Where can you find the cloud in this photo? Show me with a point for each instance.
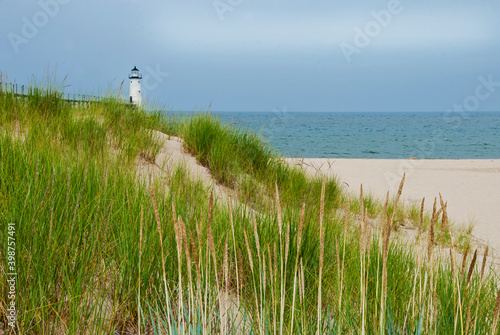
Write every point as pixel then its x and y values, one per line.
pixel 252 27
pixel 265 54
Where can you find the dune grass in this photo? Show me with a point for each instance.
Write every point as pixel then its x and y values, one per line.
pixel 100 251
pixel 242 160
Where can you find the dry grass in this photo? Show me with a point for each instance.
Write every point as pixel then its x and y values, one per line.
pixel 171 258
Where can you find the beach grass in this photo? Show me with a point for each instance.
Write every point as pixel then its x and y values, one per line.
pixel 101 251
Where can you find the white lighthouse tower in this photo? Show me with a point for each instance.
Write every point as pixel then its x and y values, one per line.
pixel 135 87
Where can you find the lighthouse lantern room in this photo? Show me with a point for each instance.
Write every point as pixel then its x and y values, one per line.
pixel 135 87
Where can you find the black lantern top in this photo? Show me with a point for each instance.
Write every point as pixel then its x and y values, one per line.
pixel 134 74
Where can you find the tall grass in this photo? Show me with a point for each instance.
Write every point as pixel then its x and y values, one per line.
pixel 242 160
pixel 100 252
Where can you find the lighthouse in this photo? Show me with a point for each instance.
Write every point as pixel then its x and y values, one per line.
pixel 135 87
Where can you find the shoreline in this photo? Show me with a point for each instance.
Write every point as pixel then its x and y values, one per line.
pixel 471 186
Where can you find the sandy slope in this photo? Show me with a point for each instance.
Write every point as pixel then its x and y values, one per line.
pixel 173 154
pixel 471 187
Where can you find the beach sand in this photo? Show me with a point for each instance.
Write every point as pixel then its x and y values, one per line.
pixel 471 187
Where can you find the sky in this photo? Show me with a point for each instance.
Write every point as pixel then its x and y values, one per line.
pixel 263 55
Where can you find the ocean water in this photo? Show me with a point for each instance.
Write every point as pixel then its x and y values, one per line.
pixel 376 134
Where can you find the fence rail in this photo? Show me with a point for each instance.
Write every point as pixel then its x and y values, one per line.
pixel 21 91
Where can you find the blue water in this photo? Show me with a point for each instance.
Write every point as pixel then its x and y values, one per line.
pixel 376 135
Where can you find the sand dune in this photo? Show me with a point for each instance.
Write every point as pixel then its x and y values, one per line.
pixel 471 187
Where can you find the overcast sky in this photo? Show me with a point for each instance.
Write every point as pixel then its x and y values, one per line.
pixel 263 55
